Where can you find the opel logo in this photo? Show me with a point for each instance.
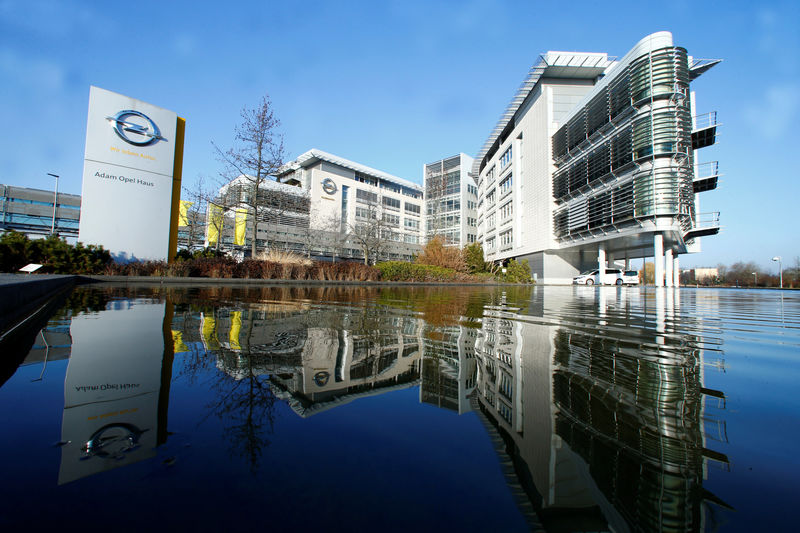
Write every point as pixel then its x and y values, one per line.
pixel 141 131
pixel 329 186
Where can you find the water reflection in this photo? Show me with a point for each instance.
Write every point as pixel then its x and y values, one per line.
pixel 594 397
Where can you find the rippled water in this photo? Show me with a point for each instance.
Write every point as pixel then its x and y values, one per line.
pixel 370 409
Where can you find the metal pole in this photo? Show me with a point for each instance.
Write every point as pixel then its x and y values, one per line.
pixel 780 267
pixel 55 203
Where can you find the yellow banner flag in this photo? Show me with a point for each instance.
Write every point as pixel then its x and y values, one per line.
pixel 215 221
pixel 177 341
pixel 241 226
pixel 208 329
pixel 236 327
pixel 183 219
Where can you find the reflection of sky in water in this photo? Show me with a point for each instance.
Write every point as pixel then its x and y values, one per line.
pixel 367 408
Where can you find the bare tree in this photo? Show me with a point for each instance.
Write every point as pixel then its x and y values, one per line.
pixel 336 231
pixel 370 231
pixel 198 196
pixel 258 155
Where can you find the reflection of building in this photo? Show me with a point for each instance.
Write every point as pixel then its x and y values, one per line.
pixel 605 430
pixel 30 211
pixel 448 367
pixel 593 163
pixel 115 399
pixel 451 200
pixel 316 358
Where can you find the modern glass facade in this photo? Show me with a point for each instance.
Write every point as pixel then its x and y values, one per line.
pixel 627 154
pixel 450 201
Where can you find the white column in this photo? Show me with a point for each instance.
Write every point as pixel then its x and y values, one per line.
pixel 658 259
pixel 676 272
pixel 668 267
pixel 601 263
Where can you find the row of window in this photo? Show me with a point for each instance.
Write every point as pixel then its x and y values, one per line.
pixel 388 202
pixel 389 186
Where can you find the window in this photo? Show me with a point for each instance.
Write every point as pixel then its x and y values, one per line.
pixel 473 190
pixel 505 159
pixel 506 238
pixel 365 214
pixel 470 237
pixel 505 185
pixel 471 205
pixel 412 239
pixel 411 223
pixel 343 219
pixel 391 203
pixel 412 208
pixel 411 192
pixel 363 178
pixel 472 222
pixel 490 199
pixel 507 210
pixel 490 176
pixel 491 220
pixel 366 196
pixel 390 186
pixel 490 243
pixel 392 220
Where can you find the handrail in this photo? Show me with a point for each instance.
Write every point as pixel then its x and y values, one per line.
pixel 706 120
pixel 707 170
pixel 706 220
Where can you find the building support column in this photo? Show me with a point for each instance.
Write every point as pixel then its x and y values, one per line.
pixel 627 263
pixel 676 271
pixel 601 263
pixel 658 260
pixel 668 267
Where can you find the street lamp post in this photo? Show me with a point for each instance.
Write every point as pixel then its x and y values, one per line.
pixel 780 267
pixel 55 203
pixel 755 275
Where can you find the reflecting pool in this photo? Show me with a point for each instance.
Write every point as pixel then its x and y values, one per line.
pixel 397 408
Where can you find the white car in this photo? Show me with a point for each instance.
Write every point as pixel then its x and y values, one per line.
pixel 612 276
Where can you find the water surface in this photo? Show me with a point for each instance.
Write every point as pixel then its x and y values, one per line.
pixel 368 409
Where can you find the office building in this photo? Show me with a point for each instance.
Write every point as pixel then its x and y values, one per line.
pixel 451 200
pixel 369 210
pixel 594 164
pixel 30 211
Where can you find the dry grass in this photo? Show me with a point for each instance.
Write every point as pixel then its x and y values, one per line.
pixel 284 258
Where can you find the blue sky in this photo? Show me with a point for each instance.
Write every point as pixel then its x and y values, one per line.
pixel 396 84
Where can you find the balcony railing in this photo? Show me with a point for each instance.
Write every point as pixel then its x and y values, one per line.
pixel 706 120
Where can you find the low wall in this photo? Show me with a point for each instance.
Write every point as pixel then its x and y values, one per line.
pixel 22 294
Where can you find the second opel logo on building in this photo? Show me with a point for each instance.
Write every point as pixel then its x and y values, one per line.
pixel 134 127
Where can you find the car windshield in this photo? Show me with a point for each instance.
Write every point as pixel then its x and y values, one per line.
pixel 588 272
pixel 631 273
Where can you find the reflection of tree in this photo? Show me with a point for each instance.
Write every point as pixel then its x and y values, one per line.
pixel 246 407
pixel 241 370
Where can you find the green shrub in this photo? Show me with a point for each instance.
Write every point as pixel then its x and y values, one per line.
pixel 516 272
pixel 54 254
pixel 13 251
pixel 402 271
pixel 473 257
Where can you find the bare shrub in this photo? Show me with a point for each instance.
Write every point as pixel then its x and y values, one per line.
pixel 435 253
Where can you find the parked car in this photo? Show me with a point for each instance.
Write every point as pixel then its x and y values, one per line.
pixel 630 277
pixel 612 276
